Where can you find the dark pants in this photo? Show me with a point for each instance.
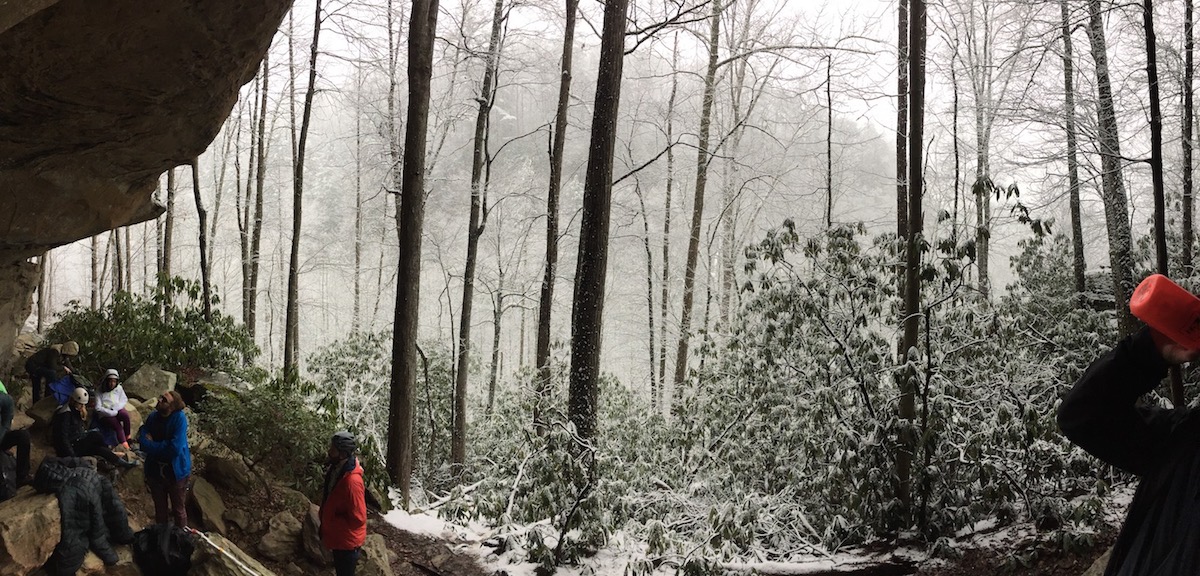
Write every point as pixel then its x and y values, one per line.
pixel 20 439
pixel 119 424
pixel 344 561
pixel 92 444
pixel 39 381
pixel 164 489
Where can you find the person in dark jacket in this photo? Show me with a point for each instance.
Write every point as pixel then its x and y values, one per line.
pixel 10 438
pixel 91 514
pixel 72 438
pixel 1102 415
pixel 163 438
pixel 343 504
pixel 49 364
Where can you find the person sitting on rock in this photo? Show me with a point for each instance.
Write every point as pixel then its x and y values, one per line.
pixel 343 504
pixel 49 364
pixel 163 439
pixel 110 408
pixel 73 439
pixel 10 438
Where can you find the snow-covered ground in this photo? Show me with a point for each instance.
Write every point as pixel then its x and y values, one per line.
pixel 623 551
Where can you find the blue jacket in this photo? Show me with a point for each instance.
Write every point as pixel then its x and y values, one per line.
pixel 171 448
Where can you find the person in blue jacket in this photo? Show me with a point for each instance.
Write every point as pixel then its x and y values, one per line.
pixel 168 465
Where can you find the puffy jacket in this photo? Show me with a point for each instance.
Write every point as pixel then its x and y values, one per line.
pixel 66 428
pixel 111 402
pixel 91 514
pixel 1103 416
pixel 344 509
pixel 170 443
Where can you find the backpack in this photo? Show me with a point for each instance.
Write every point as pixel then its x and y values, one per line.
pixel 8 475
pixel 163 550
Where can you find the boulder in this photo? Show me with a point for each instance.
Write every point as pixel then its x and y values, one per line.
pixel 375 560
pixel 29 531
pixel 282 540
pixel 229 472
pixel 212 508
pixel 238 517
pixel 1097 567
pixel 312 538
pixel 94 566
pixel 217 383
pixel 148 383
pixel 42 412
pixel 217 556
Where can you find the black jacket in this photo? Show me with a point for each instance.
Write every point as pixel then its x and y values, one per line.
pixel 1101 414
pixel 66 427
pixel 91 514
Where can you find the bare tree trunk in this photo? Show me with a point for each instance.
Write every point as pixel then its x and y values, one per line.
pixel 96 272
pixel 164 268
pixel 291 345
pixel 912 281
pixel 828 141
pixel 497 317
pixel 1178 397
pixel 1079 264
pixel 666 234
pixel 1116 206
pixel 422 28
pixel 43 302
pixel 118 271
pixel 256 221
pixel 587 310
pixel 356 322
pixel 1188 119
pixel 902 10
pixel 478 220
pixel 702 160
pixel 546 298
pixel 649 291
pixel 203 215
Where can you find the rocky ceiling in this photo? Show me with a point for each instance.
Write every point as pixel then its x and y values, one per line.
pixel 100 97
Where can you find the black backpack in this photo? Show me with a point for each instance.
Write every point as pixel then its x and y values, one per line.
pixel 8 475
pixel 163 550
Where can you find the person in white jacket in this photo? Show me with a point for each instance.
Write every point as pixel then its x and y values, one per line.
pixel 110 407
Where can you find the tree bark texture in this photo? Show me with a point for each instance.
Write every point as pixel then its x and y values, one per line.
pixel 702 161
pixel 546 297
pixel 1079 264
pixel 422 27
pixel 587 311
pixel 1116 206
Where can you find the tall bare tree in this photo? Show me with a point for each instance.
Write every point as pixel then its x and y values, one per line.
pixel 1079 263
pixel 202 214
pixel 478 220
pixel 665 300
pixel 1189 45
pixel 291 344
pixel 912 265
pixel 422 28
pixel 1116 206
pixel 587 310
pixel 703 158
pixel 546 297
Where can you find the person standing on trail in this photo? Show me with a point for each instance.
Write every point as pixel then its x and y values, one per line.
pixel 1102 414
pixel 49 364
pixel 168 464
pixel 343 504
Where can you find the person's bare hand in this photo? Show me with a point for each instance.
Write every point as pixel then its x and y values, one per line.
pixel 1173 352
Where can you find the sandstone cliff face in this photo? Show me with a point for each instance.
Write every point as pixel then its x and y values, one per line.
pixel 97 99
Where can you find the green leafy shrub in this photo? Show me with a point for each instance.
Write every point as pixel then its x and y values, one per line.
pixel 167 329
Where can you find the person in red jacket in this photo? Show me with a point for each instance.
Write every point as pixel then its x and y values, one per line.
pixel 343 504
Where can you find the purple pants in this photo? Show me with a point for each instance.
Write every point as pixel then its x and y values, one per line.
pixel 162 490
pixel 119 424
